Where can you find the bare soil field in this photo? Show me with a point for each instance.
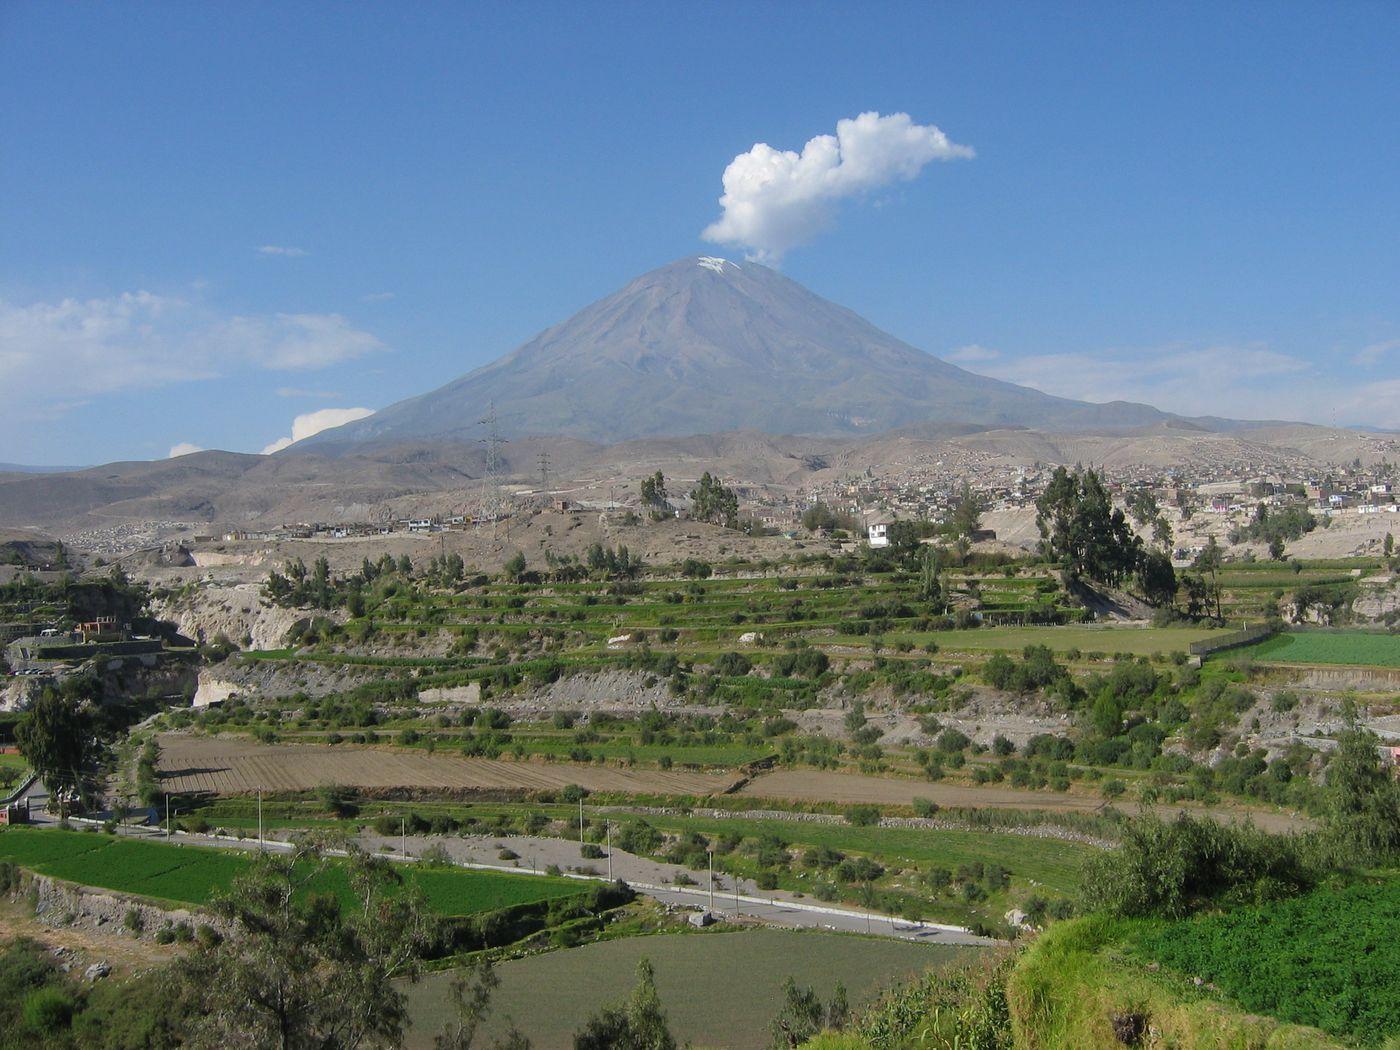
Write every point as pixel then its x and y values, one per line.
pixel 803 785
pixel 230 766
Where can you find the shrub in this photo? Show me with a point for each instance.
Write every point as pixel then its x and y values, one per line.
pixel 48 1010
pixel 1170 869
pixel 862 816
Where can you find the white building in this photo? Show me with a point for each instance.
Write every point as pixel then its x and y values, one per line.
pixel 879 535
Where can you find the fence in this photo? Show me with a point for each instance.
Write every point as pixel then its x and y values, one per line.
pixel 1233 640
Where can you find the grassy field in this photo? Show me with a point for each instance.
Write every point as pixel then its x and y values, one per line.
pixel 1358 648
pixel 1327 959
pixel 1140 641
pixel 191 874
pixel 719 988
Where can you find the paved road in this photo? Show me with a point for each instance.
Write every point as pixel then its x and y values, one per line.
pixel 654 878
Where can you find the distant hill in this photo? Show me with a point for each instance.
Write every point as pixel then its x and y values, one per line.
pixel 707 346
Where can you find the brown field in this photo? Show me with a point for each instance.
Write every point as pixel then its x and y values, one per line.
pixel 804 785
pixel 230 766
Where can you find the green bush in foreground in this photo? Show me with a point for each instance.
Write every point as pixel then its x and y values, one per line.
pixel 1169 869
pixel 1327 959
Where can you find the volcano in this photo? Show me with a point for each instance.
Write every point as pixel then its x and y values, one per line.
pixel 707 345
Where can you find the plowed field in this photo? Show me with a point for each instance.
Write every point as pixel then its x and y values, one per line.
pixel 234 765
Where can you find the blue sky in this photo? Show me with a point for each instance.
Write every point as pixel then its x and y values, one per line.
pixel 1196 206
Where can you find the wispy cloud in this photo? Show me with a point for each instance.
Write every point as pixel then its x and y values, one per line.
pixel 775 200
pixel 184 448
pixel 296 391
pixel 378 297
pixel 286 251
pixel 972 354
pixel 1373 354
pixel 1239 382
pixel 141 340
pixel 305 426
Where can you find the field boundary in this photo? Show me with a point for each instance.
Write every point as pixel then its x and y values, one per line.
pixel 1233 640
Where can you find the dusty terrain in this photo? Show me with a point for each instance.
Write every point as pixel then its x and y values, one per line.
pixel 228 766
pixel 801 785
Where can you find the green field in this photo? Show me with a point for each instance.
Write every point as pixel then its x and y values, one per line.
pixel 1358 648
pixel 193 874
pixel 1140 641
pixel 719 988
pixel 1327 959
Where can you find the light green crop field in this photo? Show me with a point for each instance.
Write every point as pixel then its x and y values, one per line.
pixel 1358 648
pixel 193 874
pixel 719 989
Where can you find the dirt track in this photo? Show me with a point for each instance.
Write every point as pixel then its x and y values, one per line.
pixel 231 765
pixel 802 785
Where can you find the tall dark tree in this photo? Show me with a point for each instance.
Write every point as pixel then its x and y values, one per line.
pixel 1209 562
pixel 966 518
pixel 1080 528
pixel 654 492
pixel 712 501
pixel 59 737
pixel 1158 579
pixel 302 972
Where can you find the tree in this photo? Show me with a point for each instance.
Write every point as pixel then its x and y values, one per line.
pixel 966 518
pixel 1363 799
pixel 639 1024
pixel 471 995
pixel 803 1016
pixel 1209 561
pixel 1080 527
pixel 1158 579
pixel 58 736
pixel 930 585
pixel 654 492
pixel 1389 545
pixel 1276 548
pixel 515 567
pixel 1142 506
pixel 301 971
pixel 711 501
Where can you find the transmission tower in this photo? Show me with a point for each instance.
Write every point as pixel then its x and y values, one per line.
pixel 490 503
pixel 544 470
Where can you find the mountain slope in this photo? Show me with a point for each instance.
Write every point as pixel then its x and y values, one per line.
pixel 704 346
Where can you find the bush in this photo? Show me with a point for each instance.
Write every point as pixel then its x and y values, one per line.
pixel 862 816
pixel 48 1010
pixel 1168 870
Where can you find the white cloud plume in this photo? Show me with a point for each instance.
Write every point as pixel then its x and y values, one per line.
pixel 286 251
pixel 775 200
pixel 314 422
pixel 140 340
pixel 971 355
pixel 184 448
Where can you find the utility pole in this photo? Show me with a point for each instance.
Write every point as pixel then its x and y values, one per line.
pixel 403 835
pixel 260 823
pixel 712 879
pixel 608 827
pixel 167 816
pixel 580 823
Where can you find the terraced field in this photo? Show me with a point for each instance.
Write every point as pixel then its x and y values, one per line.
pixel 230 766
pixel 184 874
pixel 1353 648
pixel 718 989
